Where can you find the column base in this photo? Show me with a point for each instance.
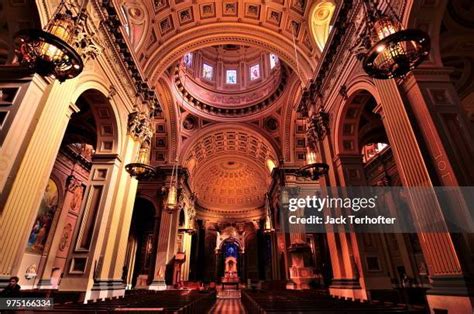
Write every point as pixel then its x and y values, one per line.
pixel 106 289
pixel 450 304
pixel 158 285
pixel 4 281
pixel 348 289
pixel 451 293
pixel 44 284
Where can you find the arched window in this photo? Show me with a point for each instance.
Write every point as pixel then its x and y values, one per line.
pixel 273 60
pixel 270 165
pixel 188 59
pixel 320 19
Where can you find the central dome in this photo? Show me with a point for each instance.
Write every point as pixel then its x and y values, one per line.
pixel 229 80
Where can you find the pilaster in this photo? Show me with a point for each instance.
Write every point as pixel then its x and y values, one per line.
pixel 438 248
pixel 35 165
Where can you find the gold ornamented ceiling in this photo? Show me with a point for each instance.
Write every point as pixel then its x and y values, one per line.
pixel 228 169
pixel 169 29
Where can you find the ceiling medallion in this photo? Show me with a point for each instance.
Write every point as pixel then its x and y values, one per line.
pixel 394 51
pixel 51 52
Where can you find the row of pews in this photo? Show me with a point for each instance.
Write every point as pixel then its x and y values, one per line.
pixel 314 301
pixel 168 301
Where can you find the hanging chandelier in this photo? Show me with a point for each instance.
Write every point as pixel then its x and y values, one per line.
pixel 268 226
pixel 141 169
pixel 312 169
pixel 172 199
pixel 394 51
pixel 50 52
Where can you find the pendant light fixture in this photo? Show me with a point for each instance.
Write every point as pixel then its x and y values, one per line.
pixel 268 226
pixel 141 169
pixel 312 169
pixel 142 130
pixel 394 51
pixel 51 52
pixel 172 199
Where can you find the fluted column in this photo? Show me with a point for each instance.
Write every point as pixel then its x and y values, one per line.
pixel 438 248
pixel 342 245
pixel 35 161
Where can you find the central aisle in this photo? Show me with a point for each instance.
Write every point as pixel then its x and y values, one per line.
pixel 228 306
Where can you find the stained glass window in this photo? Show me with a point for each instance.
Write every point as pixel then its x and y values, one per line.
pixel 255 72
pixel 273 60
pixel 207 71
pixel 188 60
pixel 231 76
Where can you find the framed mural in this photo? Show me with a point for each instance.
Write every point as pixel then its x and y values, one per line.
pixel 44 218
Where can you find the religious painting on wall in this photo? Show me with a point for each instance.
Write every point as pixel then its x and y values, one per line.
pixel 44 219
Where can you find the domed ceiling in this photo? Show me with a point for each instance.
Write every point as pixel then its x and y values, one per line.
pixel 229 81
pixel 230 183
pixel 228 171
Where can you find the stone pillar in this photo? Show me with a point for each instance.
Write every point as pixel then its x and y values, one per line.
pixel 166 248
pixel 450 291
pixel 50 258
pixel 156 232
pixel 187 241
pixel 108 280
pixel 301 273
pixel 346 279
pixel 442 121
pixel 27 156
pixel 98 255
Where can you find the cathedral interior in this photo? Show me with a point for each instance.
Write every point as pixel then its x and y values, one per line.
pixel 150 151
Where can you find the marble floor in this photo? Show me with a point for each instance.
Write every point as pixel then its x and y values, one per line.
pixel 228 306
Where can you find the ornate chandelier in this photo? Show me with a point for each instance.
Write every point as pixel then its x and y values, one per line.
pixel 393 51
pixel 141 129
pixel 313 169
pixel 172 200
pixel 50 52
pixel 268 226
pixel 141 168
pixel 318 128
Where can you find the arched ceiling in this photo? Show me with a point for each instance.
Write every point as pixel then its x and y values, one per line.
pixel 176 27
pixel 230 182
pixel 228 169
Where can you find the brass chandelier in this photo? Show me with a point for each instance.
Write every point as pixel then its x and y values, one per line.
pixel 51 52
pixel 392 51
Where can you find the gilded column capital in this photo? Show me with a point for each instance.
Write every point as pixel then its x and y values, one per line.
pixel 318 127
pixel 140 127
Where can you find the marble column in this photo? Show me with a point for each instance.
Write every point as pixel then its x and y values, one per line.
pixel 166 248
pixel 343 246
pixel 29 150
pixel 450 290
